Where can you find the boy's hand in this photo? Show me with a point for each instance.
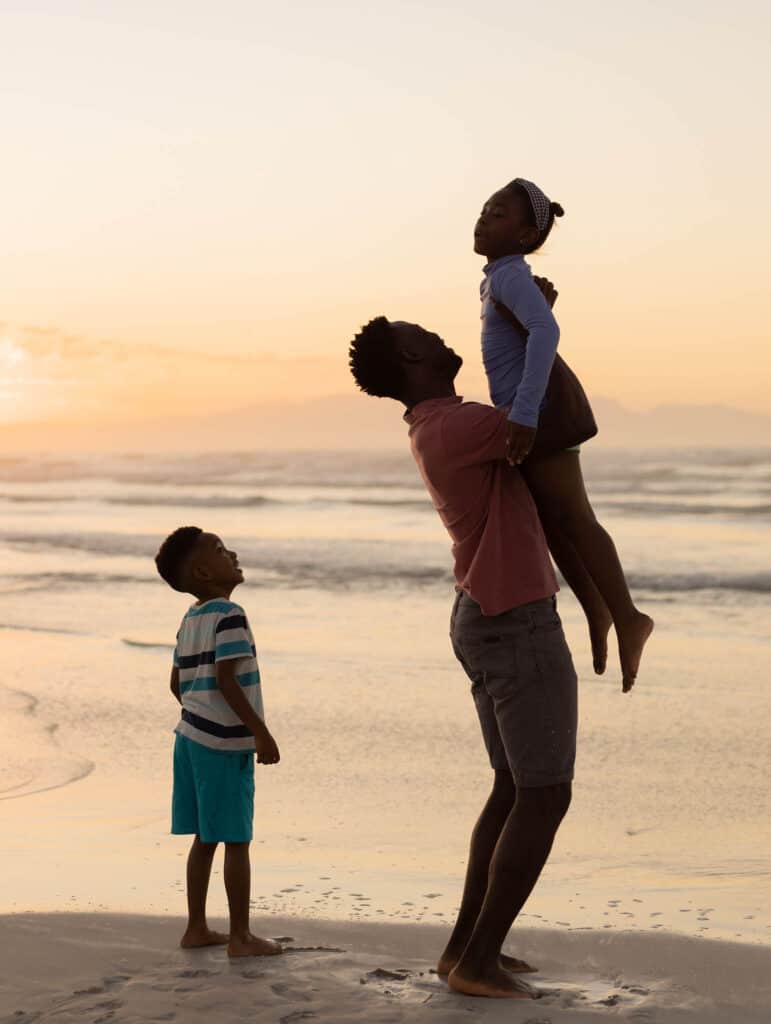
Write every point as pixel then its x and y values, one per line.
pixel 266 749
pixel 519 441
pixel 547 289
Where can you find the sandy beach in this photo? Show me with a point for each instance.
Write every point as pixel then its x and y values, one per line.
pixel 655 905
pixel 100 968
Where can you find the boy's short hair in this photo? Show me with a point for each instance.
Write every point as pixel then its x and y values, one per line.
pixel 173 552
pixel 374 360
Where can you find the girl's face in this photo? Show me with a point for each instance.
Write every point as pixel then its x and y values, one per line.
pixel 503 228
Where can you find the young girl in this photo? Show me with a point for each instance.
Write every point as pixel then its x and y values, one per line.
pixel 516 221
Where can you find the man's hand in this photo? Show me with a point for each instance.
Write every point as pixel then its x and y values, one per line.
pixel 519 441
pixel 266 748
pixel 547 289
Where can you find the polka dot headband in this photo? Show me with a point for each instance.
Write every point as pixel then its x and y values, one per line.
pixel 539 202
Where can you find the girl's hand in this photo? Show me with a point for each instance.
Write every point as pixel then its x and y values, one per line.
pixel 519 441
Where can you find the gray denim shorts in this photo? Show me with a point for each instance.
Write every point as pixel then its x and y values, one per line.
pixel 524 687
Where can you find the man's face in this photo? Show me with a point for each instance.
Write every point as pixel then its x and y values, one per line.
pixel 213 563
pixel 502 226
pixel 420 346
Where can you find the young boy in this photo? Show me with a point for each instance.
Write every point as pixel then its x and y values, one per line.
pixel 216 680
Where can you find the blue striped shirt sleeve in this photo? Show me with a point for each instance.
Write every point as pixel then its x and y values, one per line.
pixel 233 637
pixel 519 293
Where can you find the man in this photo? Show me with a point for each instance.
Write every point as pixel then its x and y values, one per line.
pixel 505 632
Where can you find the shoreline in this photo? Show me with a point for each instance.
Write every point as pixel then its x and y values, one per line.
pixel 112 967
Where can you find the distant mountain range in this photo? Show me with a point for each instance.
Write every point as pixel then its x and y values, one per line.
pixel 355 421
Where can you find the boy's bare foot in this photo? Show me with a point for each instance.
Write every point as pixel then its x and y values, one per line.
pixel 599 627
pixel 508 963
pixel 495 983
pixel 196 938
pixel 632 635
pixel 250 945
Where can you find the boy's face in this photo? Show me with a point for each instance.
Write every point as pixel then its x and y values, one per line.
pixel 502 226
pixel 213 564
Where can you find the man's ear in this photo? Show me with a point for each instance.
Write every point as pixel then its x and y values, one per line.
pixel 410 355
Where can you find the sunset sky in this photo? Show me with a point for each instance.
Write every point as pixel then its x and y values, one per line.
pixel 202 202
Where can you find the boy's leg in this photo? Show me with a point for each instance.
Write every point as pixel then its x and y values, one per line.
pixel 238 887
pixel 199 864
pixel 558 487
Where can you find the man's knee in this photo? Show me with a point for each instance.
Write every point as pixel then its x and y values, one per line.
pixel 549 803
pixel 504 789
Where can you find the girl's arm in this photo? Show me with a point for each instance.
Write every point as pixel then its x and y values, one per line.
pixel 522 296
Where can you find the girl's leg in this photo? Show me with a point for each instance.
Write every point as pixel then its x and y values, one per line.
pixel 557 484
pixel 238 877
pixel 199 864
pixel 571 565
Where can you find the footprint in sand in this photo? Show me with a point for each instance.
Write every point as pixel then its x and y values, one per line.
pixel 296 1015
pixel 286 991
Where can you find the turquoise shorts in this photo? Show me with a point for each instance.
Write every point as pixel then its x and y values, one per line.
pixel 213 793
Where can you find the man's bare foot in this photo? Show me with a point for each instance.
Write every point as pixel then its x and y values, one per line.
pixel 196 938
pixel 599 627
pixel 508 963
pixel 250 945
pixel 495 983
pixel 632 636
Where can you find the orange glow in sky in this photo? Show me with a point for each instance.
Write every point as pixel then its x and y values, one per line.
pixel 220 195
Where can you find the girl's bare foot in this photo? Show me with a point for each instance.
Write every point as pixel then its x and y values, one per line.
pixel 196 938
pixel 599 627
pixel 509 963
pixel 495 983
pixel 632 636
pixel 250 945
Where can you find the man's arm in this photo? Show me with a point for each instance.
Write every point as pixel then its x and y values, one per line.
pixel 174 684
pixel 230 688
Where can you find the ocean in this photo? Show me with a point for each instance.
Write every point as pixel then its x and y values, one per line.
pixel 348 588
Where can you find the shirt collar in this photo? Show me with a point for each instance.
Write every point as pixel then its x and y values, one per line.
pixel 503 261
pixel 425 408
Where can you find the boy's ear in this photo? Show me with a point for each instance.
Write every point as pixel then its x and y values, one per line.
pixel 199 573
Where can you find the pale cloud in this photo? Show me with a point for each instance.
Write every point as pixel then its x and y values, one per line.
pixel 51 374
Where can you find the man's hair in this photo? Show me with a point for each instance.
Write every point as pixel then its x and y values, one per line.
pixel 173 552
pixel 374 360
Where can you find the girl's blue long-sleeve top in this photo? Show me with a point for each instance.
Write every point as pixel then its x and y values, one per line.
pixel 517 369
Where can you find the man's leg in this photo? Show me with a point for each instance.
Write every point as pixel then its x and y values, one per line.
pixel 483 842
pixel 238 880
pixel 520 854
pixel 199 862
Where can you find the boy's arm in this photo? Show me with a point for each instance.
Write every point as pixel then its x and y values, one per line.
pixel 174 684
pixel 230 688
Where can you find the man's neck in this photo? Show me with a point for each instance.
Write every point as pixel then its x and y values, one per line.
pixel 425 394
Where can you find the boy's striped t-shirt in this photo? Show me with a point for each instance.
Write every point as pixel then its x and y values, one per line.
pixel 212 632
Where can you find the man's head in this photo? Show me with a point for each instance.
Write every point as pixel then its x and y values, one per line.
pixel 198 563
pixel 394 359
